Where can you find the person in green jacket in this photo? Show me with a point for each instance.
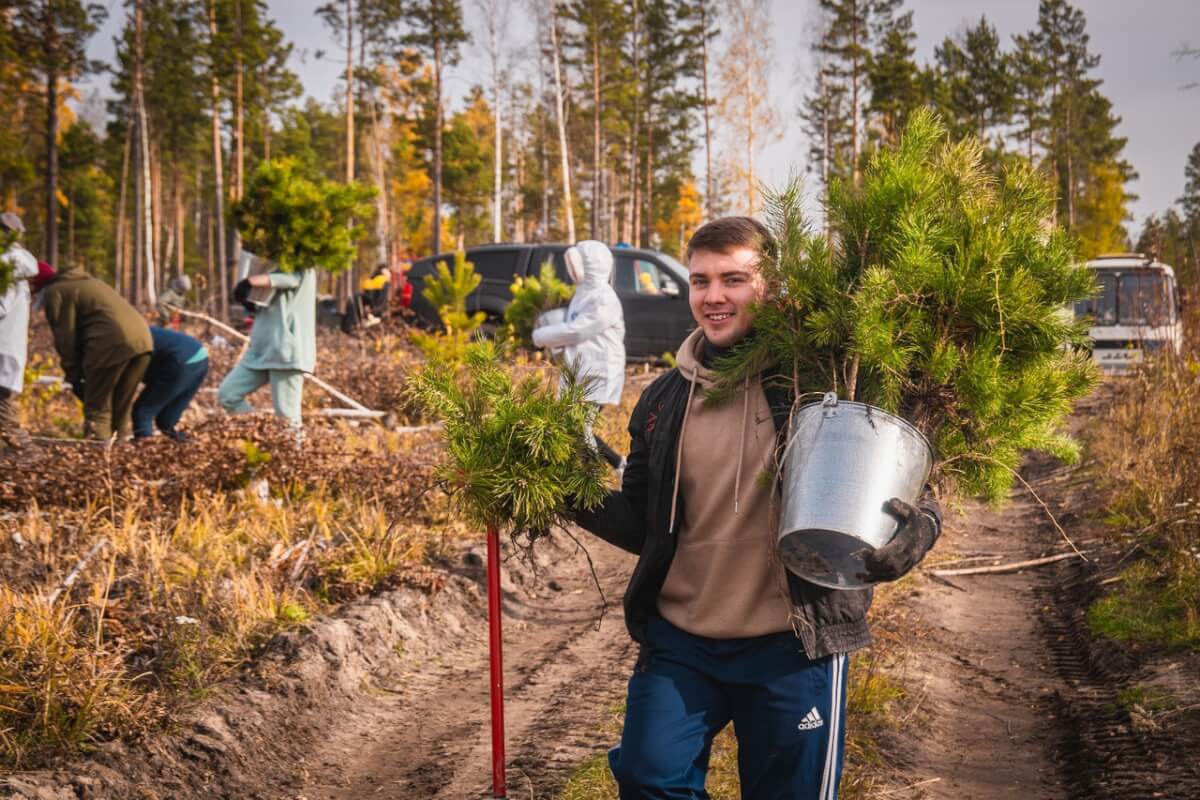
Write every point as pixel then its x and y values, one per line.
pixel 104 345
pixel 283 345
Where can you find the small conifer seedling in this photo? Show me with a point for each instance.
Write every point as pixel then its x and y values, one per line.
pixel 531 297
pixel 516 449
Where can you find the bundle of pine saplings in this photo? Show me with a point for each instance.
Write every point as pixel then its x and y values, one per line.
pixel 517 449
pixel 300 220
pixel 938 291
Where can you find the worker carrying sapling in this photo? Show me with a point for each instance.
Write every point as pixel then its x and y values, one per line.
pixel 592 337
pixel 726 633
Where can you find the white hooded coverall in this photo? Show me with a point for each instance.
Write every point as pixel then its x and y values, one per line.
pixel 593 334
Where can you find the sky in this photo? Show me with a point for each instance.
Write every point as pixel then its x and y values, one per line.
pixel 1135 40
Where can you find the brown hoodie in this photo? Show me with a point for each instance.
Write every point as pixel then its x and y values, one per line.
pixel 725 581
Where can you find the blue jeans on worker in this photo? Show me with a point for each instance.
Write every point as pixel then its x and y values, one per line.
pixel 787 713
pixel 287 390
pixel 165 396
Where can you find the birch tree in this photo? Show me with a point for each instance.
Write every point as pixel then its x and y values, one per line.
pixel 745 105
pixel 495 15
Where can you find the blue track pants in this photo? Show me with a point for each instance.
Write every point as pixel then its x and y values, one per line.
pixel 167 394
pixel 787 712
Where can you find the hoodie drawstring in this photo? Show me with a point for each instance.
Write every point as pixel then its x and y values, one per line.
pixel 687 409
pixel 737 480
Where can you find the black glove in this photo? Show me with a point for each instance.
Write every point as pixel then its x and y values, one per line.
pixel 918 531
pixel 241 294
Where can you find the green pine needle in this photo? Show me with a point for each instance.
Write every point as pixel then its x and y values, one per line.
pixel 515 450
pixel 942 294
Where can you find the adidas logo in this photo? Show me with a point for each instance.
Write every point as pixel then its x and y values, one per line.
pixel 811 720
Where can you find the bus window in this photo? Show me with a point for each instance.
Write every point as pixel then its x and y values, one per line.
pixel 1144 300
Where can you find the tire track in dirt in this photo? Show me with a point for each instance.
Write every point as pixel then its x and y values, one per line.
pixel 424 732
pixel 1021 701
pixel 984 678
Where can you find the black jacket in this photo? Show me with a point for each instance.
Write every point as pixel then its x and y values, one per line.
pixel 637 519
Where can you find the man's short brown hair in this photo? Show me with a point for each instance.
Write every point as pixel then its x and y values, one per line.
pixel 727 233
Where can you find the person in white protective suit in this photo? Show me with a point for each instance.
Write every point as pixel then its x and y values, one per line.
pixel 592 336
pixel 14 329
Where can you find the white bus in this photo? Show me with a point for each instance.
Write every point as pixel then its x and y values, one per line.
pixel 1136 312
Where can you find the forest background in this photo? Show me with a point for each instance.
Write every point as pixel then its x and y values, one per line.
pixel 622 120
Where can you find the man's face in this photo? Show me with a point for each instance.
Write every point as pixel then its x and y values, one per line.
pixel 723 286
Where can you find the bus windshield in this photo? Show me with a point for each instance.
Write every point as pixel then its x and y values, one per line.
pixel 1130 299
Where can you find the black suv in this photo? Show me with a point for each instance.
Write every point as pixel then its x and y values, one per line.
pixel 652 286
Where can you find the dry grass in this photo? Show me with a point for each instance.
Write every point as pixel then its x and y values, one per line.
pixel 199 553
pixel 1148 443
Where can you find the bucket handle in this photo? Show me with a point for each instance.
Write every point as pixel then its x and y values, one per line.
pixel 829 405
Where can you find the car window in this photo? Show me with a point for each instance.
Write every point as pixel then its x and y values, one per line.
pixel 637 276
pixel 557 256
pixel 495 265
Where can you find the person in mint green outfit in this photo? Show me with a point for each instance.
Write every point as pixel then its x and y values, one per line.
pixel 283 345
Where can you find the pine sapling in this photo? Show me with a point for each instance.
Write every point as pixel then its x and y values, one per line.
pixel 447 291
pixel 299 221
pixel 531 297
pixel 942 295
pixel 516 447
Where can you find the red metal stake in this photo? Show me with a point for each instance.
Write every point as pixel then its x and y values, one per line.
pixel 499 787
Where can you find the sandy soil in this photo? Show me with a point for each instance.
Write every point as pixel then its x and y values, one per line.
pixel 428 734
pixel 389 698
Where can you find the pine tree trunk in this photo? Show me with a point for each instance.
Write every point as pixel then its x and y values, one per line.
pixel 855 144
pixel 180 219
pixel 222 268
pixel 1070 171
pixel 239 112
pixel 239 125
pixel 161 249
pixel 70 229
pixel 147 200
pixel 139 268
pixel 122 270
pixel 596 166
pixel 382 214
pixel 568 203
pixel 710 191
pixel 437 145
pixel 52 164
pixel 345 282
pixel 635 199
pixel 498 154
pixel 648 220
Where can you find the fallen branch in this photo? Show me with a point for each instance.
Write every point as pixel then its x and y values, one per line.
pixel 80 566
pixel 350 401
pixel 355 413
pixel 997 569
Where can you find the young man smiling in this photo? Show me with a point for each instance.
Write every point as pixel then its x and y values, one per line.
pixel 727 634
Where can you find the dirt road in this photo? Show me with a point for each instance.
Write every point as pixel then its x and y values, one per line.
pixel 985 677
pixel 425 733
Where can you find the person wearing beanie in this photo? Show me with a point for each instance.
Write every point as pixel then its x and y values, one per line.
pixel 104 345
pixel 19 268
pixel 177 369
pixel 728 635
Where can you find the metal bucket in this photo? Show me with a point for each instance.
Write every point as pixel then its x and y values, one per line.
pixel 843 462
